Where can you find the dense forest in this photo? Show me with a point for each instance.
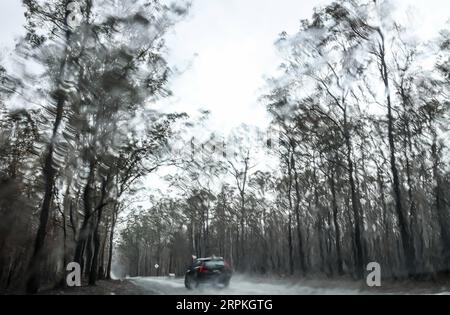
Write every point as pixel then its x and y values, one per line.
pixel 354 167
pixel 71 149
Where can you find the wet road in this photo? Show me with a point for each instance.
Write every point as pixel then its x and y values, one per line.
pixel 239 285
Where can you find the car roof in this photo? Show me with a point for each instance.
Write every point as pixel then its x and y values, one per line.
pixel 210 258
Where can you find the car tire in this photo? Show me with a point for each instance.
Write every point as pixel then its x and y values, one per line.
pixel 225 283
pixel 190 283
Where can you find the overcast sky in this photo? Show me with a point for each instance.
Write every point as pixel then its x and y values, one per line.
pixel 233 40
pixel 225 48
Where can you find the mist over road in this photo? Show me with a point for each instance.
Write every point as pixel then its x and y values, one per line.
pixel 248 286
pixel 239 285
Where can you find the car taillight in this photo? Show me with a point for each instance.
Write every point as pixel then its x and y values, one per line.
pixel 202 269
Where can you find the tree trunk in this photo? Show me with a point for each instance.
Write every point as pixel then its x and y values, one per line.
pixel 93 271
pixel 111 242
pixel 442 212
pixel 86 228
pixel 291 251
pixel 33 281
pixel 359 252
pixel 291 210
pixel 102 271
pixel 408 247
pixel 297 216
pixel 49 173
pixel 336 224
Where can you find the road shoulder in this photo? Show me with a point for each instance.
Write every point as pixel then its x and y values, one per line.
pixel 103 287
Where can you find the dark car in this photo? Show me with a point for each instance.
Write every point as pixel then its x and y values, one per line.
pixel 212 270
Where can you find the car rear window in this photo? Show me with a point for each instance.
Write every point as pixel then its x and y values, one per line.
pixel 197 263
pixel 212 264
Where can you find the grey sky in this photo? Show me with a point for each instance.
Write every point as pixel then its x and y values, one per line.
pixel 234 42
pixel 11 21
pixel 229 47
